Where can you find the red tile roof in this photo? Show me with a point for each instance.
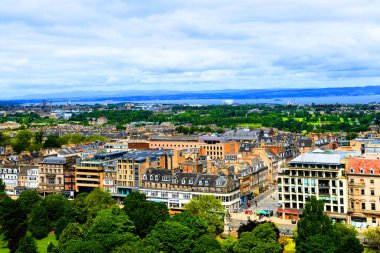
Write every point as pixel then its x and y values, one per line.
pixel 365 164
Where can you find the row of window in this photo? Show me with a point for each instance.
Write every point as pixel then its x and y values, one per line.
pixel 361 170
pixel 364 206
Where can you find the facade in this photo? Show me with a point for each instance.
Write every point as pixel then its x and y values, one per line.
pixel 134 164
pixel 363 177
pixel 51 175
pixel 319 173
pixel 9 175
pixel 89 174
pixel 176 189
pixel 110 178
pixel 32 178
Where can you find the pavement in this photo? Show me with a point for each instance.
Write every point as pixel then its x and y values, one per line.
pixel 266 201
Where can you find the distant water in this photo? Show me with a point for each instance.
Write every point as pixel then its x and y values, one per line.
pixel 297 100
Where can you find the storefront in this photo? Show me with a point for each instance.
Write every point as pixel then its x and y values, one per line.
pixel 359 222
pixel 288 214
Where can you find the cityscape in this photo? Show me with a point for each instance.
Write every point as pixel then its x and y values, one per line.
pixel 189 126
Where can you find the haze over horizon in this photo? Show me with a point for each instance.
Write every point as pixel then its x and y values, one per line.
pixel 186 45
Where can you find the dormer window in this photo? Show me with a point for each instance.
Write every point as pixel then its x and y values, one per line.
pixel 183 181
pixel 361 171
pixel 352 170
pixel 144 177
pixel 151 177
pixel 206 183
pixel 191 181
pixel 156 177
pixel 371 171
pixel 200 182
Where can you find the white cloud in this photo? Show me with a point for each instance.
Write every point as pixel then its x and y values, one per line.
pixel 186 45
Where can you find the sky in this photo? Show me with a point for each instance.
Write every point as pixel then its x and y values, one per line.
pixel 104 45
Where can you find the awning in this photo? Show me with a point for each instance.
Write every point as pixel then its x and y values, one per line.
pixel 291 211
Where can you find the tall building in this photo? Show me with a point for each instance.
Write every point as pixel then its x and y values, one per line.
pixel 363 176
pixel 51 175
pixel 319 173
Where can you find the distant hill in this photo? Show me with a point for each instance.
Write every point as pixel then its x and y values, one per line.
pixel 136 95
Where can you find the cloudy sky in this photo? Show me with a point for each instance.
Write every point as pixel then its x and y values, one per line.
pixel 73 45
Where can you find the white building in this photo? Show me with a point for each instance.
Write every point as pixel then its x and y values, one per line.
pixel 10 179
pixel 32 179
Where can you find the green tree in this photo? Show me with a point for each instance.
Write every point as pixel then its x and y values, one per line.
pixel 262 239
pixel 22 141
pixel 27 245
pixel 193 222
pixel 56 206
pixel 144 214
pixel 98 200
pixel 27 199
pixel 52 141
pixel 372 237
pixel 112 228
pixel 346 239
pixel 39 223
pixel 73 232
pixel 84 247
pixel 2 186
pixel 206 243
pixel 210 210
pixel 170 236
pixel 11 216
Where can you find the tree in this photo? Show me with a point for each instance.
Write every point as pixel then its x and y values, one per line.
pixel 27 200
pixel 144 214
pixel 316 233
pixel 170 236
pixel 56 206
pixel 39 223
pixel 193 222
pixel 11 216
pixel 73 232
pixel 22 141
pixel 2 186
pixel 210 210
pixel 206 243
pixel 98 200
pixel 372 237
pixel 52 141
pixel 263 238
pixel 112 228
pixel 27 245
pixel 84 247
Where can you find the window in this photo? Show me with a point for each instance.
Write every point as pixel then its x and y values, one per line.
pixel 372 181
pixel 363 205
pixel 200 182
pixel 373 206
pixel 362 191
pixel 361 171
pixel 144 177
pixel 373 220
pixel 352 180
pixel 151 177
pixel 371 171
pixel 352 204
pixel 352 170
pixel 372 192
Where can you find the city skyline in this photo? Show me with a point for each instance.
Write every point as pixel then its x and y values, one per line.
pixel 187 45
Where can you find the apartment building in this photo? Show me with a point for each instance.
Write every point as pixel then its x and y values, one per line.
pixel 177 188
pixel 89 173
pixel 9 175
pixel 319 173
pixel 215 147
pixel 363 175
pixel 32 178
pixel 134 164
pixel 51 175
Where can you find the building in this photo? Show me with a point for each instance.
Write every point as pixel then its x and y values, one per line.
pixel 134 164
pixel 89 173
pixel 51 175
pixel 319 173
pixel 175 189
pixel 363 177
pixel 32 178
pixel 9 175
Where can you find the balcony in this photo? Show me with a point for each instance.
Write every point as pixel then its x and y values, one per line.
pixel 356 184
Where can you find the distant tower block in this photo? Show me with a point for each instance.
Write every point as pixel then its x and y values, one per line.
pixel 227 102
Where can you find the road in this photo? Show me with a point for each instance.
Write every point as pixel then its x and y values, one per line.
pixel 265 201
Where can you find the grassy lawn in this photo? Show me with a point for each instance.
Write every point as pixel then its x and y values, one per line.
pixel 290 247
pixel 253 125
pixel 3 245
pixel 42 244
